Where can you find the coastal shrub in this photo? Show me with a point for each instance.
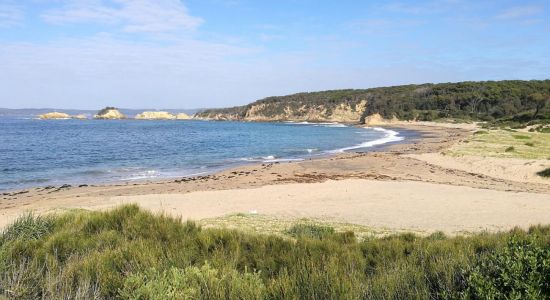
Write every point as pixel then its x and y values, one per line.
pixel 128 253
pixel 521 137
pixel 530 144
pixel 310 230
pixel 521 270
pixel 509 149
pixel 544 173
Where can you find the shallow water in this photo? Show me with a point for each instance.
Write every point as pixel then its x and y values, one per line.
pixel 38 153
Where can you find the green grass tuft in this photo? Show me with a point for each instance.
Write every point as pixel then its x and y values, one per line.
pixel 509 149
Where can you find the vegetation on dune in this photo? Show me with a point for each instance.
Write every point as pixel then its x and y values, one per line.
pixel 505 143
pixel 514 101
pixel 128 253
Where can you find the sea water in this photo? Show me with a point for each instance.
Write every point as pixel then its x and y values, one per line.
pixel 50 152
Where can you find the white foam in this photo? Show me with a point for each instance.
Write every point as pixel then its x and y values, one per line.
pixel 324 124
pixel 389 136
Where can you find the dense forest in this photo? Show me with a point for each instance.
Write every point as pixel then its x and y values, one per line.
pixel 487 100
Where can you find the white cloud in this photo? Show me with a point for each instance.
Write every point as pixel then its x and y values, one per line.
pixel 519 12
pixel 146 16
pixel 10 14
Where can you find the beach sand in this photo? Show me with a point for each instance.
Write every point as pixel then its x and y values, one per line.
pixel 409 186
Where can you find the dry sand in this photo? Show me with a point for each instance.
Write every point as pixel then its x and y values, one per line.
pixel 406 186
pixel 514 169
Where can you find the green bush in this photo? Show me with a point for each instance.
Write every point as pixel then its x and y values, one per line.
pixel 544 173
pixel 310 230
pixel 521 270
pixel 510 149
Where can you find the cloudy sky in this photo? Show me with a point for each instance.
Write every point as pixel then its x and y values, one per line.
pixel 211 53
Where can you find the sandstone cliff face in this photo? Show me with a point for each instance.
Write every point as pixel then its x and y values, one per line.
pixel 54 115
pixel 343 112
pixel 155 115
pixel 109 113
pixel 183 116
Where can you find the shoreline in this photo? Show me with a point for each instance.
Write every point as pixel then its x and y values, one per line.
pixel 392 167
pixel 373 145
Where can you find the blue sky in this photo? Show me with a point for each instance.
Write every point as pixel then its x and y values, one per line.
pixel 212 53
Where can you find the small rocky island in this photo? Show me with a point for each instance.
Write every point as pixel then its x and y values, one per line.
pixel 161 115
pixel 54 116
pixel 61 116
pixel 155 115
pixel 109 113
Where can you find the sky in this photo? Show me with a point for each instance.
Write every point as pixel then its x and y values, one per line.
pixel 87 54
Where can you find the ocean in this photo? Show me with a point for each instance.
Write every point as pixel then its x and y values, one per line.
pixel 52 152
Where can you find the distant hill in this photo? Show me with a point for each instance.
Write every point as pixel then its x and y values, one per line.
pixel 487 100
pixel 33 112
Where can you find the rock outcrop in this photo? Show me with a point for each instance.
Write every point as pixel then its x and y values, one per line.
pixel 109 113
pixel 183 116
pixel 54 116
pixel 80 117
pixel 155 115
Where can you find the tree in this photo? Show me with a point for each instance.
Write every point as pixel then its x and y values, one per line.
pixel 539 101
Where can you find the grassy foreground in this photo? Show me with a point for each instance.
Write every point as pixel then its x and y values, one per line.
pixel 129 253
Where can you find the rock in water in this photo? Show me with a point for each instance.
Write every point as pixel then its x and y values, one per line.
pixel 155 115
pixel 80 117
pixel 183 116
pixel 54 115
pixel 109 113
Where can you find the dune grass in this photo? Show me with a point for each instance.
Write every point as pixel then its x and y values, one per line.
pixel 504 143
pixel 128 253
pixel 284 227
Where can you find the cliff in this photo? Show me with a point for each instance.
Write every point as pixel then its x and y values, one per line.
pixel 332 106
pixel 109 113
pixel 54 115
pixel 155 115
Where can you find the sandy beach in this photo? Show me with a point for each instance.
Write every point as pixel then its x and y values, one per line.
pixel 408 186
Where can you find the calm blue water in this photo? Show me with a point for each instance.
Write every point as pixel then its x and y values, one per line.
pixel 39 153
